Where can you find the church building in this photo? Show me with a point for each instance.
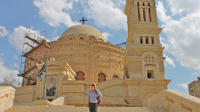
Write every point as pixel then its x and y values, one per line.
pixel 126 77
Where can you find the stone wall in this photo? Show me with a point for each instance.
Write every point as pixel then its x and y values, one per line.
pixel 74 92
pixel 24 94
pixel 173 101
pixel 116 92
pixel 6 97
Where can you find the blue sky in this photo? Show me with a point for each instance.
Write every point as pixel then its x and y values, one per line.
pixel 180 36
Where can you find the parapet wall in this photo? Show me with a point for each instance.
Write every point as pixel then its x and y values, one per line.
pixel 6 97
pixel 173 101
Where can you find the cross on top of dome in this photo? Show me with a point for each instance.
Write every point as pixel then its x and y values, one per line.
pixel 83 20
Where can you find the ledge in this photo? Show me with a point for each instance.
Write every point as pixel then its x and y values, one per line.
pixel 146 82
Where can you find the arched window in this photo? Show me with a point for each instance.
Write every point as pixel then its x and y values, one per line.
pixel 149 60
pixel 115 77
pixel 80 75
pixel 101 77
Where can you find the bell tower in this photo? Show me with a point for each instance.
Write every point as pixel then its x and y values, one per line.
pixel 144 54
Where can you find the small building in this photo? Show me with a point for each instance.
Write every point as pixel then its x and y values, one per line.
pixel 194 88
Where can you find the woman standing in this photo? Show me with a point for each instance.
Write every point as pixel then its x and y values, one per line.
pixel 94 98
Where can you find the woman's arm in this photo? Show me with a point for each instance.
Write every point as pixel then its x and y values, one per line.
pixel 88 98
pixel 100 95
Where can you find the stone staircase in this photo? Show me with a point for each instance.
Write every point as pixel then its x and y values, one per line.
pixel 75 109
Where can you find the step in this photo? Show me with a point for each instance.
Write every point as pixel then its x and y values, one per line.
pixel 75 109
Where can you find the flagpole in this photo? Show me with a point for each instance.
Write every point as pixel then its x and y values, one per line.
pixel 45 78
pixel 44 91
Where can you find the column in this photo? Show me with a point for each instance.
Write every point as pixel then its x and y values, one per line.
pixel 141 12
pixel 144 40
pixel 150 40
pixel 141 15
pixel 147 12
pixel 150 12
pixel 153 13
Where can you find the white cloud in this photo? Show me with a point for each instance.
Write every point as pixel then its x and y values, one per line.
pixel 53 39
pixel 197 73
pixel 180 6
pixel 107 13
pixel 9 75
pixel 16 38
pixel 161 12
pixel 183 85
pixel 55 12
pixel 3 31
pixel 170 61
pixel 106 35
pixel 182 36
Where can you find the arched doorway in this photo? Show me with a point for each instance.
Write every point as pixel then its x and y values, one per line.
pixel 101 77
pixel 80 75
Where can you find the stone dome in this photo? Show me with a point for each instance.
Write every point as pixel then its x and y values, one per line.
pixel 82 29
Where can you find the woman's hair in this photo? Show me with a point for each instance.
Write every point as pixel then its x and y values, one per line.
pixel 95 88
pixel 93 84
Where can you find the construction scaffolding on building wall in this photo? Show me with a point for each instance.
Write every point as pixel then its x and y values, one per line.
pixel 32 39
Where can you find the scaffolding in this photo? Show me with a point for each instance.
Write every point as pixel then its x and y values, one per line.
pixel 32 39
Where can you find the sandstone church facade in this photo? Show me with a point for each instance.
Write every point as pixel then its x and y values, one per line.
pixel 126 77
pixel 81 56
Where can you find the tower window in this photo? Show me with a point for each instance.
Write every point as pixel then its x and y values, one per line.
pixel 152 40
pixel 149 61
pixel 141 40
pixel 147 40
pixel 150 74
pixel 138 4
pixel 144 15
pixel 149 12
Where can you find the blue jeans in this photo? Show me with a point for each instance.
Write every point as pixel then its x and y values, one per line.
pixel 93 107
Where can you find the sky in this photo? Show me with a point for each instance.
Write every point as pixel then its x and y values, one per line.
pixel 180 21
